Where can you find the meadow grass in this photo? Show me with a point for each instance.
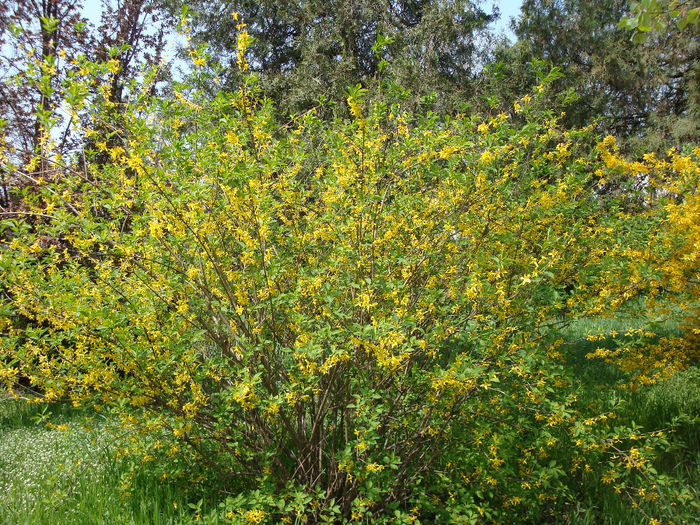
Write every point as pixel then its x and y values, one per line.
pixel 57 466
pixel 672 405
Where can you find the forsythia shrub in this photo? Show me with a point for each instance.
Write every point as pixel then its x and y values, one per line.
pixel 353 320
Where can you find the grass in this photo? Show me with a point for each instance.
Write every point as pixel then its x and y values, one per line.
pixel 595 372
pixel 53 474
pixel 672 405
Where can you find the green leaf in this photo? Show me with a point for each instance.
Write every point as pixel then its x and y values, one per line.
pixel 49 24
pixel 639 38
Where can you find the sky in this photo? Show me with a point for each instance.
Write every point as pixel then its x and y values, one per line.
pixel 508 9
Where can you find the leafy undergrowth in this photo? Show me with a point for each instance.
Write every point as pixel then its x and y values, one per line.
pixel 57 463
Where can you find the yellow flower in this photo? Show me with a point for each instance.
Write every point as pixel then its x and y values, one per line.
pixel 374 467
pixel 486 157
pixel 255 516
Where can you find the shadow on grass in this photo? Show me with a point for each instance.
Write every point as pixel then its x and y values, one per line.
pixel 16 413
pixel 671 405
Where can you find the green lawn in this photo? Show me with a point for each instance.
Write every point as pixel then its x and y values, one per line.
pixel 57 467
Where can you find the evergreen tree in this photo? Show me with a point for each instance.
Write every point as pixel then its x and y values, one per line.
pixel 646 93
pixel 306 49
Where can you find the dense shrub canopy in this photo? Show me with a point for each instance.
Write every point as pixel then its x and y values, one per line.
pixel 350 319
